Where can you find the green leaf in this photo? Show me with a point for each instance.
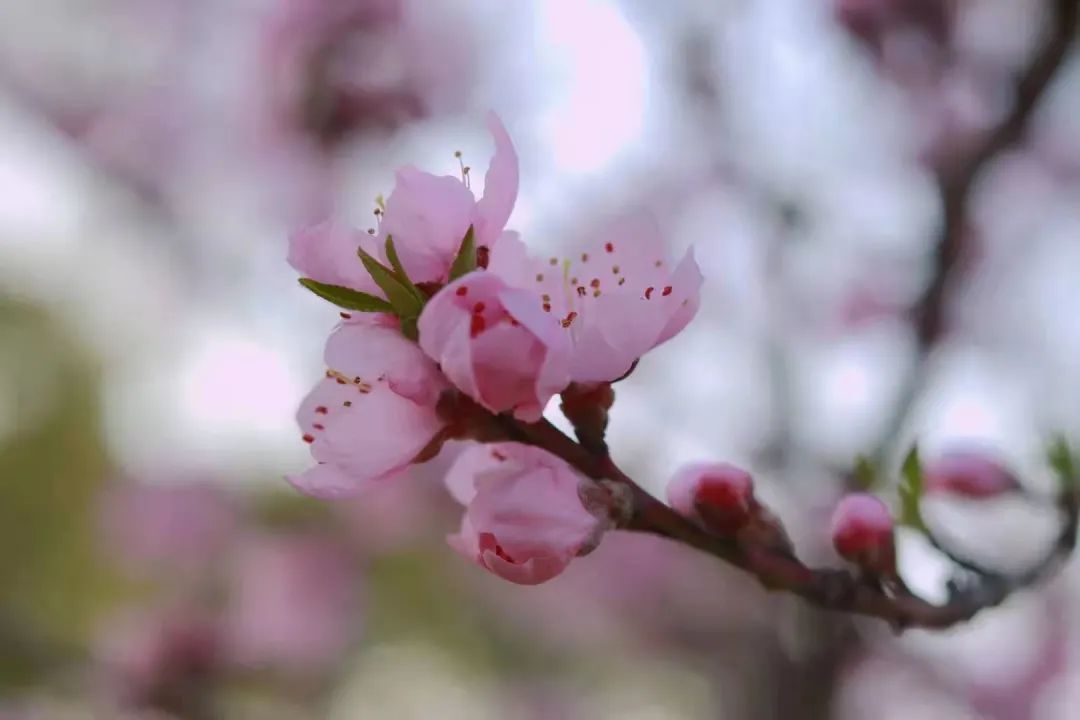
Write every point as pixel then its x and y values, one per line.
pixel 399 269
pixel 465 262
pixel 404 302
pixel 1063 462
pixel 347 297
pixel 911 491
pixel 865 473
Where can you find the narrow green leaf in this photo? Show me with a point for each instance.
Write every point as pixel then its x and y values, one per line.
pixel 399 269
pixel 347 297
pixel 1063 462
pixel 404 302
pixel 911 491
pixel 465 262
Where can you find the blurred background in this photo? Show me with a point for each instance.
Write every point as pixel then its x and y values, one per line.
pixel 154 344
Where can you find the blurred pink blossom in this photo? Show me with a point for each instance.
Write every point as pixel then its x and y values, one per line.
pixel 156 657
pixel 168 527
pixel 969 474
pixel 292 603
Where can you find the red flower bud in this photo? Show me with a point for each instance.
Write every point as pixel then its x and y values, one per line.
pixel 719 495
pixel 862 533
pixel 971 475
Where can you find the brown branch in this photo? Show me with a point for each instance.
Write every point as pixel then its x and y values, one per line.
pixel 828 588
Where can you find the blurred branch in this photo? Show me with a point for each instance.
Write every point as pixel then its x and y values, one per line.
pixel 778 569
pixel 956 180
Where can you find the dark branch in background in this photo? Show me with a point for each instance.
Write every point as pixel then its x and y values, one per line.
pixel 955 182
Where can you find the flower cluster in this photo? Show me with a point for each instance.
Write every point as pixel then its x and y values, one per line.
pixel 222 594
pixel 452 330
pixel 442 301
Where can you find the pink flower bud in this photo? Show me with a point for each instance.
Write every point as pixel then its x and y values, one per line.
pixel 971 475
pixel 525 520
pixel 719 495
pixel 862 533
pixel 496 345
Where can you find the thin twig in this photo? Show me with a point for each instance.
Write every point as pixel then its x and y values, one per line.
pixel 828 588
pixel 955 183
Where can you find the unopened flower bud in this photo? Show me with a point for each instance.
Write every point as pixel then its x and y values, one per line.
pixel 862 533
pixel 719 495
pixel 971 475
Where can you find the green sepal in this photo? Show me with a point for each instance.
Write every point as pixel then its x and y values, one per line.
pixel 866 474
pixel 399 269
pixel 911 491
pixel 347 297
pixel 405 303
pixel 1061 459
pixel 465 262
pixel 409 329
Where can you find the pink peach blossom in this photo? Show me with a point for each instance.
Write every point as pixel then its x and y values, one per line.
pixel 429 215
pixel 524 520
pixel 617 299
pixel 372 413
pixel 494 344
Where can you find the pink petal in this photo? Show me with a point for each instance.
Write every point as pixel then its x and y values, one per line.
pixel 327 253
pixel 507 361
pixel 428 215
pixel 371 351
pixel 685 297
pixel 474 461
pixel 359 434
pixel 500 186
pixel 533 571
pixel 536 511
pixel 611 333
pixel 525 520
pixel 328 482
pixel 510 260
pixel 519 367
pixel 554 371
pixel 444 327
